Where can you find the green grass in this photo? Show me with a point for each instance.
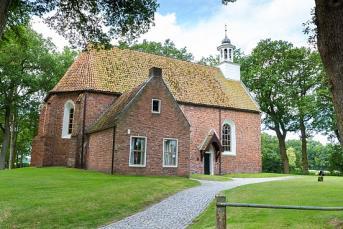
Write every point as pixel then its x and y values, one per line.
pixel 300 191
pixel 72 198
pixel 256 175
pixel 210 177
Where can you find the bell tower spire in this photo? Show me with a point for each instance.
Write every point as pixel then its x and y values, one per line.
pixel 229 69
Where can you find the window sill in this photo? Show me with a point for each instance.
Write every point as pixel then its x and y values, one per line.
pixel 67 136
pixel 170 166
pixel 228 153
pixel 137 166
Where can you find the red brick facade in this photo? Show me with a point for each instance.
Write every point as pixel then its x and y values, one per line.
pixel 248 143
pixel 140 121
pixel 190 124
pixel 48 147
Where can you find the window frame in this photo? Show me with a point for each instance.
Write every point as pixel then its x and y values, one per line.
pixel 233 142
pixel 177 153
pixel 68 105
pixel 145 151
pixel 159 106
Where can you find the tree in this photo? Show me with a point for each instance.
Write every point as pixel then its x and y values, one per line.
pixel 266 72
pixel 329 22
pixel 167 49
pixel 271 161
pixel 88 20
pixel 210 60
pixel 303 85
pixel 29 67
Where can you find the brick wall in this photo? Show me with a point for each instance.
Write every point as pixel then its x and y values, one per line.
pixel 99 152
pixel 248 144
pixel 48 147
pixel 139 119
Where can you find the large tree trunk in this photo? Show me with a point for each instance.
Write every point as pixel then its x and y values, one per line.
pixel 283 151
pixel 303 137
pixel 6 139
pixel 13 141
pixel 329 21
pixel 4 7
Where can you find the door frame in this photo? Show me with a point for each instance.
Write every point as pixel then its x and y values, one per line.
pixel 211 164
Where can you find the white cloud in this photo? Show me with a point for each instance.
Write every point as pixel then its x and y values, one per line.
pixel 39 26
pixel 248 23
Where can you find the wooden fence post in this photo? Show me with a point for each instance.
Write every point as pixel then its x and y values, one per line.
pixel 221 212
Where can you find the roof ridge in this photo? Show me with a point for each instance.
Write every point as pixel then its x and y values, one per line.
pixel 154 54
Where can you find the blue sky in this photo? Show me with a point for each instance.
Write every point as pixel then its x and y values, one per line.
pixel 189 11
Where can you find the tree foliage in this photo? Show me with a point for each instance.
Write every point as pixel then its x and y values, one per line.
pixel 29 68
pixel 85 21
pixel 167 49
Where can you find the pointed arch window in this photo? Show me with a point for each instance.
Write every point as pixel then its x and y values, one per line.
pixel 68 119
pixel 229 137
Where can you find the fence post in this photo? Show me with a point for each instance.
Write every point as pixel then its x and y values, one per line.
pixel 221 212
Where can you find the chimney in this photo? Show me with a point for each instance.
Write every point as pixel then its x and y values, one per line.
pixel 155 72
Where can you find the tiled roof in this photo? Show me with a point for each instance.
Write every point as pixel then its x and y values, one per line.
pixel 121 70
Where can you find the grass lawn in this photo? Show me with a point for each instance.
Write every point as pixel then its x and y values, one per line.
pixel 210 177
pixel 300 191
pixel 72 198
pixel 256 175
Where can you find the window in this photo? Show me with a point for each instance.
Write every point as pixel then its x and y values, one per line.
pixel 71 117
pixel 137 151
pixel 156 106
pixel 230 54
pixel 170 152
pixel 226 138
pixel 225 54
pixel 68 119
pixel 229 138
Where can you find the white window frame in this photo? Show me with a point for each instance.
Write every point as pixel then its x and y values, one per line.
pixel 65 124
pixel 159 107
pixel 145 151
pixel 232 125
pixel 177 153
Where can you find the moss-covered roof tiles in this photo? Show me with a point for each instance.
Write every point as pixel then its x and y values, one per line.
pixel 121 70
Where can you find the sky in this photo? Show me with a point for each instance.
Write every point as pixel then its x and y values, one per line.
pixel 199 25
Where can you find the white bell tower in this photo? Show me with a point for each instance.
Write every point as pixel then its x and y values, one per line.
pixel 226 49
pixel 229 69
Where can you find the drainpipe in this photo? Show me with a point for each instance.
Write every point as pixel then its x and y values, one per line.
pixel 83 127
pixel 113 148
pixel 220 139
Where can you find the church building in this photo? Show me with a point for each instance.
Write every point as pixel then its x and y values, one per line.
pixel 130 112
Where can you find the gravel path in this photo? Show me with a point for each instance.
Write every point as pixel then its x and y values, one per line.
pixel 179 210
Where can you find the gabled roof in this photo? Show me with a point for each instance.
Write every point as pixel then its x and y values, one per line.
pixel 121 70
pixel 122 104
pixel 211 139
pixel 110 116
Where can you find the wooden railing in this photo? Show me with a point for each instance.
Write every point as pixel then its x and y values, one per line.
pixel 221 205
